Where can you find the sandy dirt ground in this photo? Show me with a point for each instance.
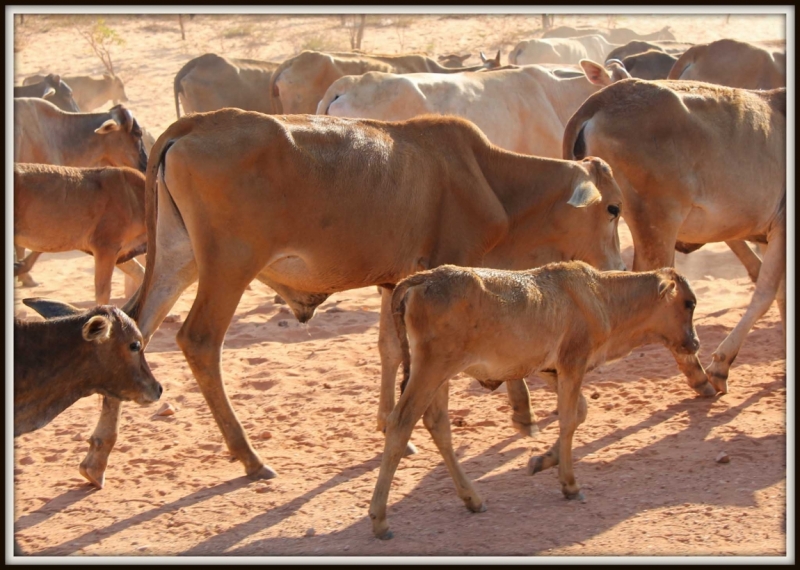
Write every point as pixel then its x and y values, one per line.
pixel 307 394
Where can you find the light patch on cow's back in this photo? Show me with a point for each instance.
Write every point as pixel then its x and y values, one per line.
pixel 354 139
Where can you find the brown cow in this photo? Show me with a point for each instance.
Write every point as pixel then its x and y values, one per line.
pixel 96 210
pixel 212 82
pixel 614 35
pixel 301 81
pixel 387 201
pixel 561 320
pixel 50 88
pixel 91 92
pixel 46 135
pixel 700 186
pixel 652 64
pixel 636 46
pixel 733 63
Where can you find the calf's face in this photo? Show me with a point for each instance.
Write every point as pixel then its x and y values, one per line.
pixel 119 363
pixel 121 139
pixel 673 313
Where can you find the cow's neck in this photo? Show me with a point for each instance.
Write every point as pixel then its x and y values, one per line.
pixel 82 128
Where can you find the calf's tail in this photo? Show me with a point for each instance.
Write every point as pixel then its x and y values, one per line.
pixel 686 60
pixel 399 313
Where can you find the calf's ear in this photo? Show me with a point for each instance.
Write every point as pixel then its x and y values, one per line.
pixel 51 309
pixel 109 126
pixel 665 286
pixel 97 329
pixel 595 72
pixel 585 194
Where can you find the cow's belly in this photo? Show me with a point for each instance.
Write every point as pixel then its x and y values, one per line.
pixel 715 224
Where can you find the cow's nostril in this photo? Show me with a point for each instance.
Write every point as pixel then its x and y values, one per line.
pixel 160 390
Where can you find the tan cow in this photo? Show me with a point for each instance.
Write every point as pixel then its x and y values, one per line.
pixel 703 184
pixel 91 92
pixel 96 210
pixel 733 63
pixel 301 81
pixel 44 134
pixel 560 50
pixel 212 82
pixel 387 201
pixel 522 109
pixel 613 35
pixel 561 320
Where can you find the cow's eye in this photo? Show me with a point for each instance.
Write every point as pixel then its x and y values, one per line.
pixel 614 211
pixel 135 346
pixel 690 305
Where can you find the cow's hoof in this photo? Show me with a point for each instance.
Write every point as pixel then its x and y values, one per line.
pixel 27 281
pixel 717 379
pixel 476 506
pixel 385 535
pixel 96 477
pixel 535 464
pixel 528 430
pixel 574 495
pixel 705 390
pixel 411 449
pixel 263 472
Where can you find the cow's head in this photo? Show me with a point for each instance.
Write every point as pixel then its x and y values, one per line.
pixel 122 140
pixel 586 225
pixel 117 91
pixel 58 93
pixel 114 351
pixel 492 63
pixel 673 311
pixel 453 60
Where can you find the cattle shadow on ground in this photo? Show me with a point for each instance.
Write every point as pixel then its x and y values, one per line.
pixel 54 506
pixel 542 512
pixel 95 535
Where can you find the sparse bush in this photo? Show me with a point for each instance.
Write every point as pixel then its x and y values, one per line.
pixel 238 32
pixel 101 38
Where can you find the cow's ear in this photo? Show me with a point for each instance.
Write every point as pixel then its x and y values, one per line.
pixel 48 92
pixel 585 194
pixel 97 329
pixel 51 309
pixel 107 127
pixel 665 286
pixel 595 72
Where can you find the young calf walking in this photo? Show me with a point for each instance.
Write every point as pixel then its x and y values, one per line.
pixel 560 320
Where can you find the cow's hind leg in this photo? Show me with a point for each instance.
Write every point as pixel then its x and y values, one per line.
pixel 200 338
pixel 423 384
pixel 24 277
pixel 520 399
pixel 103 271
pixel 773 269
pixel 438 424
pixel 134 274
pixel 102 441
pixel 749 258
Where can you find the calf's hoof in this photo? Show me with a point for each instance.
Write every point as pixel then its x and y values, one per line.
pixel 718 379
pixel 705 390
pixel 576 495
pixel 380 528
pixel 475 504
pixel 263 472
pixel 536 464
pixel 94 475
pixel 528 430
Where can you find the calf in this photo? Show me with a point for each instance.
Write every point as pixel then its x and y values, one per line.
pixel 96 210
pixel 74 355
pixel 561 320
pixel 51 88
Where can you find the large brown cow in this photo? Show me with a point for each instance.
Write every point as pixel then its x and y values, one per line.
pixel 212 82
pixel 44 134
pixel 733 63
pixel 387 201
pixel 561 321
pixel 96 210
pixel 300 82
pixel 91 92
pixel 683 153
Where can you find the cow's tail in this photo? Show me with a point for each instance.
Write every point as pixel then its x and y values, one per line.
pixel 574 145
pixel 330 96
pixel 177 86
pixel 686 60
pixel 399 314
pixel 274 92
pixel 174 132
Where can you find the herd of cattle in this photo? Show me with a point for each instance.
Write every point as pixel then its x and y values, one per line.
pixel 489 224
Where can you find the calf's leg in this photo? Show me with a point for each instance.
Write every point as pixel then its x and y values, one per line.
pixel 772 271
pixel 134 275
pixel 520 399
pixel 751 261
pixel 436 420
pixel 103 271
pixel 102 441
pixel 24 277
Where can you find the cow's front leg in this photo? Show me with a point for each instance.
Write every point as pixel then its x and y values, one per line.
pixel 520 399
pixel 93 466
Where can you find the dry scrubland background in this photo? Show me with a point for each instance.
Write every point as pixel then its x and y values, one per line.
pixel 307 394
